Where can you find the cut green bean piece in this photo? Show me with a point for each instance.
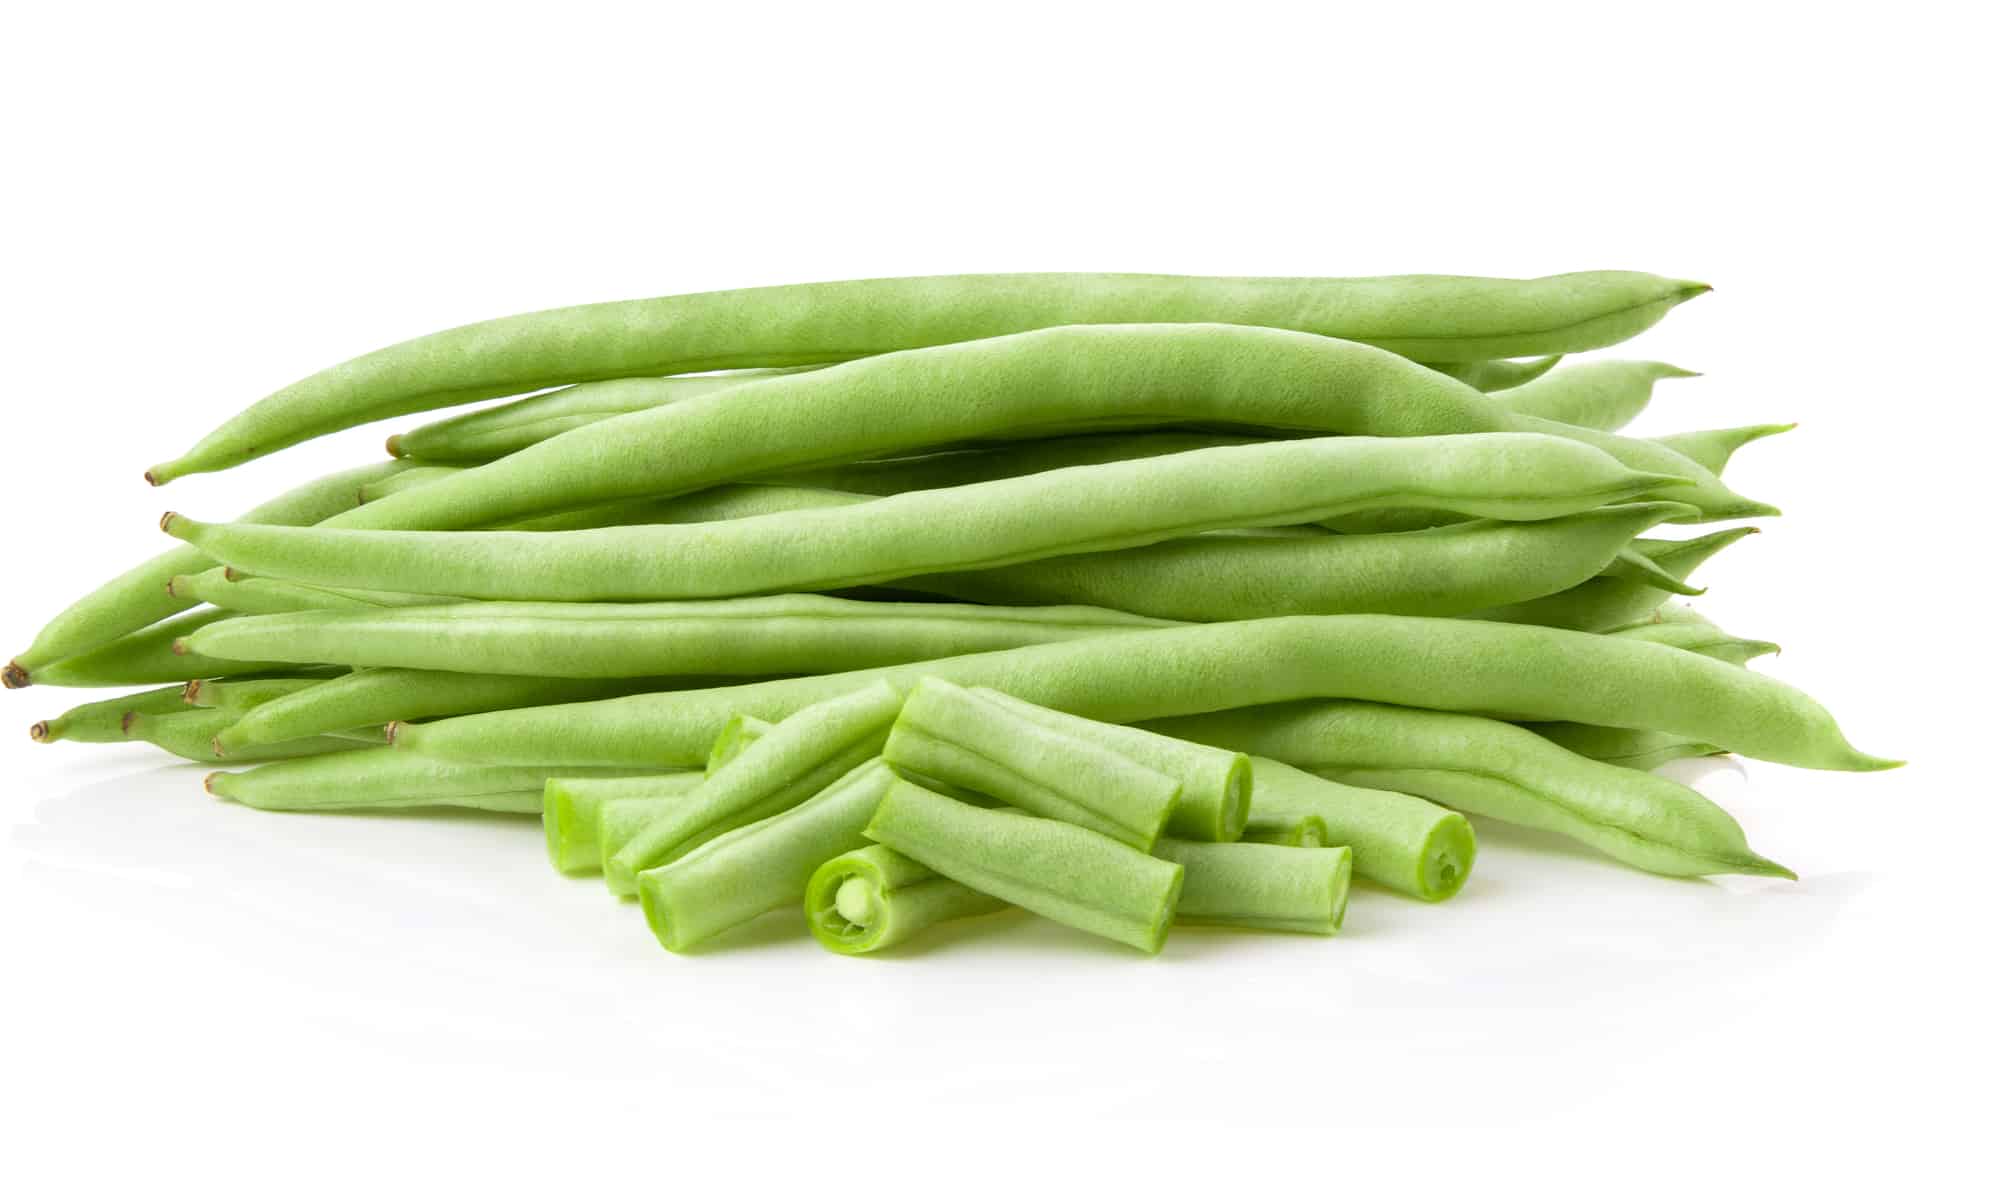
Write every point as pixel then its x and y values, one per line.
pixel 763 866
pixel 734 739
pixel 763 635
pixel 1594 395
pixel 1051 868
pixel 1288 829
pixel 1288 888
pixel 801 756
pixel 1713 448
pixel 139 597
pixel 380 778
pixel 104 720
pixel 574 809
pixel 962 739
pixel 1494 769
pixel 874 898
pixel 190 734
pixel 1401 842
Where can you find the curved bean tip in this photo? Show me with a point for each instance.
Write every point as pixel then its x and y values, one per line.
pixel 1759 865
pixel 14 675
pixel 39 731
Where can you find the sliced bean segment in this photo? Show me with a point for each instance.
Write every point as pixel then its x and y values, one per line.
pixel 950 735
pixel 574 808
pixel 766 865
pixel 801 756
pixel 1288 888
pixel 104 720
pixel 1401 842
pixel 1051 868
pixel 874 898
pixel 1436 318
pixel 1466 666
pixel 776 635
pixel 1013 520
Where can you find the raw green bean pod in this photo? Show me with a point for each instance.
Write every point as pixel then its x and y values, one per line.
pixel 148 656
pixel 1051 868
pixel 574 809
pixel 1004 460
pixel 416 476
pixel 1631 564
pixel 1607 601
pixel 1450 569
pixel 1436 318
pixel 1258 886
pixel 747 872
pixel 1637 749
pixel 104 720
pixel 1713 448
pixel 248 595
pixel 1595 395
pixel 190 734
pixel 1401 842
pixel 993 524
pixel 380 695
pixel 950 735
pixel 242 695
pixel 804 754
pixel 139 597
pixel 1493 769
pixel 381 778
pixel 1536 672
pixel 1499 374
pixel 734 739
pixel 770 635
pixel 874 898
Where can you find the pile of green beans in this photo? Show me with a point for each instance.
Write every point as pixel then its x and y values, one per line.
pixel 1126 601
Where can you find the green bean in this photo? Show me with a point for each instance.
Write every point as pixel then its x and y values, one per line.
pixel 1285 829
pixel 1594 395
pixel 734 739
pixel 574 808
pixel 1536 672
pixel 981 525
pixel 1051 868
pixel 416 476
pixel 874 898
pixel 104 720
pixel 1637 749
pixel 806 752
pixel 139 597
pixel 1498 374
pixel 772 635
pixel 949 735
pixel 147 656
pixel 1631 564
pixel 381 778
pixel 1713 448
pixel 1286 888
pixel 1401 842
pixel 1607 602
pixel 1493 769
pixel 191 735
pixel 242 594
pixel 241 695
pixel 1442 571
pixel 1436 318
pixel 747 872
pixel 1701 638
pixel 495 432
pixel 1215 787
pixel 380 695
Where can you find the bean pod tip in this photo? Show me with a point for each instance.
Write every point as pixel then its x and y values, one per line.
pixel 39 731
pixel 14 675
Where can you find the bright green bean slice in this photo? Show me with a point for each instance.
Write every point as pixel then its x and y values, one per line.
pixel 874 898
pixel 573 809
pixel 1287 888
pixel 1401 842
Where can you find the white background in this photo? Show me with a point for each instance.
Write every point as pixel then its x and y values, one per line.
pixel 203 204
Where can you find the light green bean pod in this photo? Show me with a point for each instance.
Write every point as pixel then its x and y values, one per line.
pixel 241 695
pixel 574 807
pixel 1608 601
pixel 1595 395
pixel 1440 318
pixel 1051 868
pixel 1631 564
pixel 381 778
pixel 766 865
pixel 874 898
pixel 104 720
pixel 241 595
pixel 416 476
pixel 1287 888
pixel 1713 448
pixel 190 734
pixel 1498 374
pixel 1401 842
pixel 148 656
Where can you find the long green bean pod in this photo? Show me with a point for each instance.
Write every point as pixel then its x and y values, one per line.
pixel 139 597
pixel 747 872
pixel 380 695
pixel 240 594
pixel 1434 317
pixel 574 808
pixel 381 778
pixel 242 695
pixel 806 752
pixel 1713 448
pixel 1257 886
pixel 874 898
pixel 1631 564
pixel 950 735
pixel 1498 374
pixel 1064 872
pixel 1071 511
pixel 1595 395
pixel 190 734
pixel 1536 672
pixel 1402 842
pixel 1493 769
pixel 148 656
pixel 104 720
pixel 1637 749
pixel 771 635
pixel 416 476
pixel 1608 601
